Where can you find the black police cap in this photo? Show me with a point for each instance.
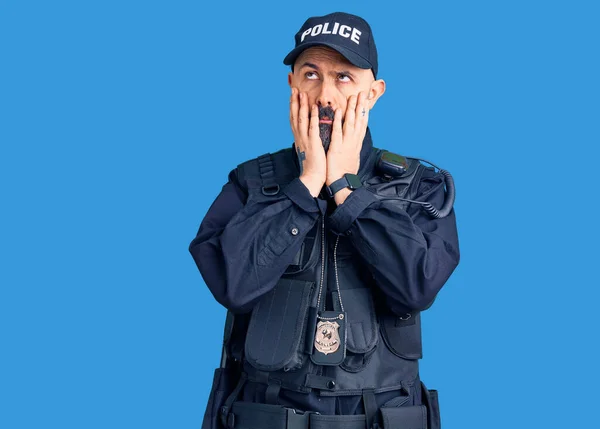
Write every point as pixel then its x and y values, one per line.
pixel 350 35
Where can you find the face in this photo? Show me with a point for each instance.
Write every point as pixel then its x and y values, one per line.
pixel 329 80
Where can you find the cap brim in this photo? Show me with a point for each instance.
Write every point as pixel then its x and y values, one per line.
pixel 351 56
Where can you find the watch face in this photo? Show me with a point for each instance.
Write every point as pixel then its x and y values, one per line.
pixel 353 181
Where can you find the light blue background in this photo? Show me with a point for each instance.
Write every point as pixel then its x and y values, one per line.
pixel 120 120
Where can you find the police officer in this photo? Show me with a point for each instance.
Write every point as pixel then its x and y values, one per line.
pixel 325 254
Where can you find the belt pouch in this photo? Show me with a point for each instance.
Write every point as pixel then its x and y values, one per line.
pixel 224 381
pixel 430 400
pixel 414 417
pixel 275 338
pixel 259 416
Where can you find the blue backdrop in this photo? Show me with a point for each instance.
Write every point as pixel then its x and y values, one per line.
pixel 120 121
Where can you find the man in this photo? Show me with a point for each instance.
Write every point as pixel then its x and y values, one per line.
pixel 324 257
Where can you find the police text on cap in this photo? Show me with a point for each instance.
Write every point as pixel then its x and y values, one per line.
pixel 341 30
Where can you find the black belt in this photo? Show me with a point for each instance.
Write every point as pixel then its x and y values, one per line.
pixel 249 415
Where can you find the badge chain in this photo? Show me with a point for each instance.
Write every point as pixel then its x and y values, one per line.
pixel 337 280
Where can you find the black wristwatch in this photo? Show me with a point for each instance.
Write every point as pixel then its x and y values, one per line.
pixel 351 181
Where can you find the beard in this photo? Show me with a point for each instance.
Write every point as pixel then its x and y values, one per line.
pixel 325 129
pixel 325 134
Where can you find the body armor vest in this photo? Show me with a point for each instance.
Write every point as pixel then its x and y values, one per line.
pixel 276 342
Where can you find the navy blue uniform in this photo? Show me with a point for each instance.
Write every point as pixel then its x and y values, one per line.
pixel 243 247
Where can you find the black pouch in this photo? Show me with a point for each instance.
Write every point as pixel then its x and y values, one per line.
pixel 414 417
pixel 275 338
pixel 361 320
pixel 362 326
pixel 430 400
pixel 402 335
pixel 224 381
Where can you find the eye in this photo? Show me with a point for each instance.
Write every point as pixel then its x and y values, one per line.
pixel 311 75
pixel 344 78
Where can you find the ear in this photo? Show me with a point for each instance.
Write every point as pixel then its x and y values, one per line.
pixel 290 76
pixel 376 90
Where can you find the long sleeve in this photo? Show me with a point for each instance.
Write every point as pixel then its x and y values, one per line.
pixel 410 254
pixel 244 244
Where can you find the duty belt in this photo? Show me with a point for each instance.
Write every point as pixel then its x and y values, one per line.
pixel 249 415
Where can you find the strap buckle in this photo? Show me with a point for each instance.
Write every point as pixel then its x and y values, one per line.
pixel 270 190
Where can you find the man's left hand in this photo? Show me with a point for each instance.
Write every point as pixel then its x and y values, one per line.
pixel 343 155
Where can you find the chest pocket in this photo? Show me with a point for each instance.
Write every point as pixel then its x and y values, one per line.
pixel 277 327
pixel 308 256
pixel 402 335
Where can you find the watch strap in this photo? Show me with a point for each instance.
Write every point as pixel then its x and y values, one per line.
pixel 351 181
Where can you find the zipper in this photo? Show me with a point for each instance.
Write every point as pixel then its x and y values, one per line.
pixel 324 260
pixel 323 265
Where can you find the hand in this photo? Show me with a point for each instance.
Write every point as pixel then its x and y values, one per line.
pixel 343 155
pixel 309 147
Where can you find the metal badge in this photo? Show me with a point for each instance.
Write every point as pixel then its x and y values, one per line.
pixel 327 339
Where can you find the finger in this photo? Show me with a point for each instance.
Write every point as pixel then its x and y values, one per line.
pixel 314 122
pixel 294 110
pixel 350 113
pixel 362 110
pixel 360 101
pixel 303 115
pixel 336 131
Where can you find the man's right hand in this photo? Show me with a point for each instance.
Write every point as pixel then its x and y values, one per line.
pixel 309 147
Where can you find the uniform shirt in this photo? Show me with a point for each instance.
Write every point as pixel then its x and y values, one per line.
pixel 243 249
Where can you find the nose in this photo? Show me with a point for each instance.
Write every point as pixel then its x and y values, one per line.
pixel 325 96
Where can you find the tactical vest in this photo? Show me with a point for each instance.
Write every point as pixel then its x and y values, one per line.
pixel 275 344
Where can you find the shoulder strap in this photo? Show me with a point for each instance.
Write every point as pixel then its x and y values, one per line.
pixel 266 169
pixel 268 172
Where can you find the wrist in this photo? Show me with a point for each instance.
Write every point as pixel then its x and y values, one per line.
pixel 332 177
pixel 341 196
pixel 340 188
pixel 314 185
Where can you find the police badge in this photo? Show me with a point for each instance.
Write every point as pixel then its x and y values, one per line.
pixel 329 338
